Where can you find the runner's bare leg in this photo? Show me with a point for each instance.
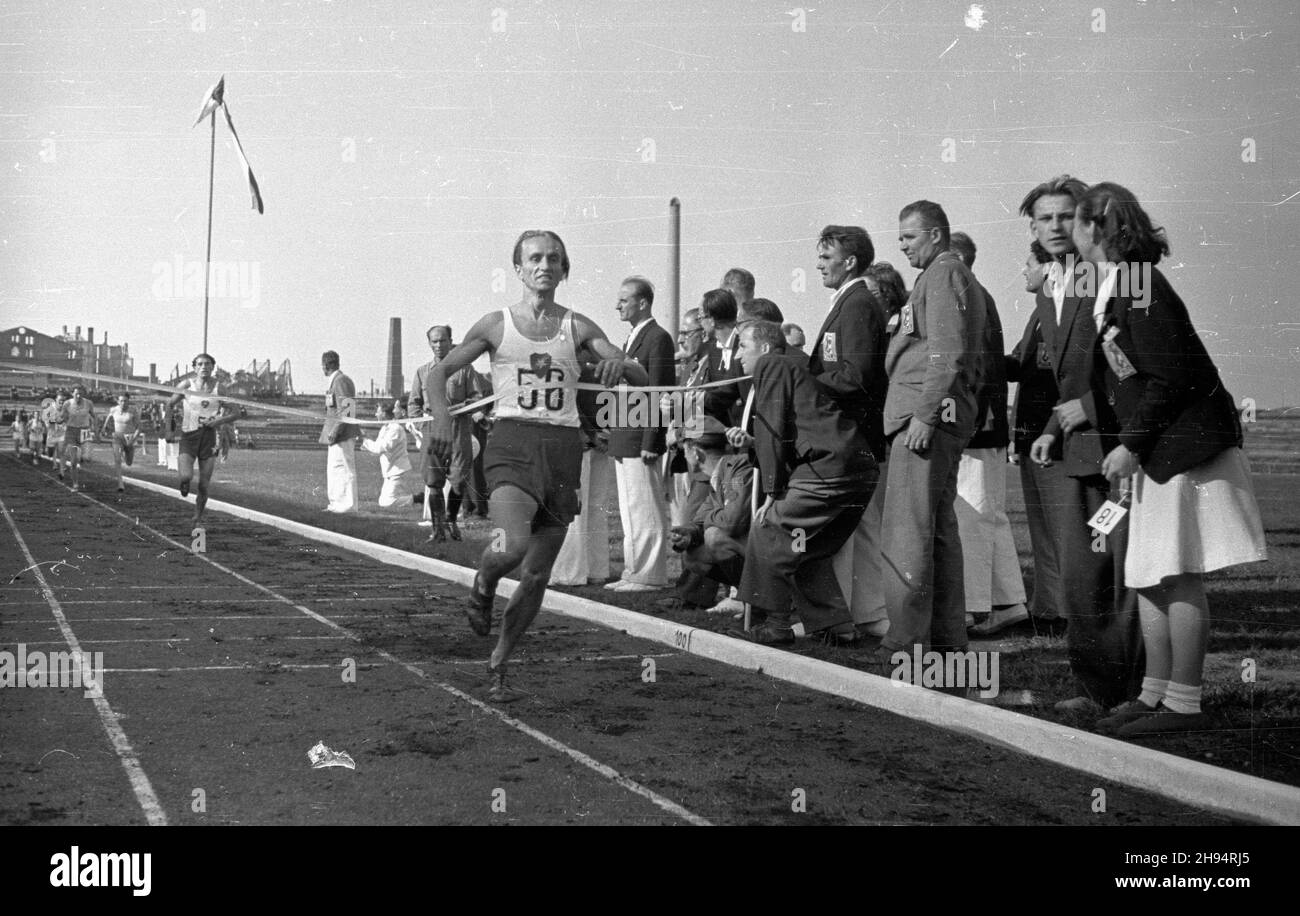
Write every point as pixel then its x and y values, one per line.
pixel 534 573
pixel 201 496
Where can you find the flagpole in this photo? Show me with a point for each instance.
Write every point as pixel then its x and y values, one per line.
pixel 207 260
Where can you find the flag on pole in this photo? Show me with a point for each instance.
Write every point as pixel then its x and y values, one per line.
pixel 216 98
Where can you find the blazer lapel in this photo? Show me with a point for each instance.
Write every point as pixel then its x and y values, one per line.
pixel 831 317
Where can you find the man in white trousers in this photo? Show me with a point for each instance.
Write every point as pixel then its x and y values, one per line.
pixel 584 556
pixel 995 589
pixel 638 444
pixel 340 436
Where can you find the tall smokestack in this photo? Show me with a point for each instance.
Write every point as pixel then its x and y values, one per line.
pixel 394 373
pixel 674 314
pixel 153 373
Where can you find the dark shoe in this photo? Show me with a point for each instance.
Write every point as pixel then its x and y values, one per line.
pixel 185 487
pixel 880 661
pixel 478 610
pixel 439 534
pixel 453 531
pixel 500 692
pixel 1123 714
pixel 1048 626
pixel 829 637
pixel 766 634
pixel 1164 721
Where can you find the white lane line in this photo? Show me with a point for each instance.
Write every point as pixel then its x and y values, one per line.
pixel 665 804
pixel 262 669
pixel 272 666
pixel 135 774
pixel 171 639
pixel 189 617
pixel 100 602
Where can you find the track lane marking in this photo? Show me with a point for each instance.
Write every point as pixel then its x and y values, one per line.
pixel 135 774
pixel 591 763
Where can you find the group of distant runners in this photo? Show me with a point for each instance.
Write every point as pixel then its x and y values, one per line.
pixel 63 428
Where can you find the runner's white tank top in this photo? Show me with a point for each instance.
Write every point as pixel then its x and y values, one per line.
pixel 78 417
pixel 520 363
pixel 200 405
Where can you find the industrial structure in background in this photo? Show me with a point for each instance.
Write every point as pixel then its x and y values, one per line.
pixel 258 381
pixel 68 351
pixel 393 376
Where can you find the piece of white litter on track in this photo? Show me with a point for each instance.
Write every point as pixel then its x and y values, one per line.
pixel 322 756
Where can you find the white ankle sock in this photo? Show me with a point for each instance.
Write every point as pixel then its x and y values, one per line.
pixel 1153 691
pixel 1182 698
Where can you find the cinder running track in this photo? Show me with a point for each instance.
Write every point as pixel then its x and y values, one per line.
pixel 223 669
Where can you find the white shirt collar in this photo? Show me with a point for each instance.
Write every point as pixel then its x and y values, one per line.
pixel 637 330
pixel 1105 289
pixel 1057 285
pixel 844 287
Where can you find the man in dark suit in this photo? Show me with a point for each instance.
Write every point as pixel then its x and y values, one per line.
pixel 1104 635
pixel 718 313
pixel 637 445
pixel 848 361
pixel 816 476
pixel 1030 367
pixel 934 365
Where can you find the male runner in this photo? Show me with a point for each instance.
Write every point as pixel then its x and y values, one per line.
pixel 56 418
pixel 202 413
pixel 80 427
pixel 125 423
pixel 533 461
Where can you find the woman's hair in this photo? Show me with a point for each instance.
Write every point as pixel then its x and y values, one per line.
pixel 1039 252
pixel 893 291
pixel 1126 230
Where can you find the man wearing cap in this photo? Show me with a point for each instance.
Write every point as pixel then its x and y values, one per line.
pixel 713 542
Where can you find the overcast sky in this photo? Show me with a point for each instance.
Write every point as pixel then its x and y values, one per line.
pixel 402 147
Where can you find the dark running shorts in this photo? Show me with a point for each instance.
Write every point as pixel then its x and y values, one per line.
pixel 543 460
pixel 124 448
pixel 200 443
pixel 74 436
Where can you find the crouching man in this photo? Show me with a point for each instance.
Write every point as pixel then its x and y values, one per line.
pixel 713 543
pixel 816 476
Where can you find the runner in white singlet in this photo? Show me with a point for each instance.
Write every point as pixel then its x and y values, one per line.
pixel 56 418
pixel 123 424
pixel 533 459
pixel 202 413
pixel 80 427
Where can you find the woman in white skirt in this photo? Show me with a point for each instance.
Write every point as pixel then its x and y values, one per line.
pixel 1173 440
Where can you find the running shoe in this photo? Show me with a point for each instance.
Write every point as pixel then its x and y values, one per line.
pixel 500 692
pixel 185 487
pixel 478 610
